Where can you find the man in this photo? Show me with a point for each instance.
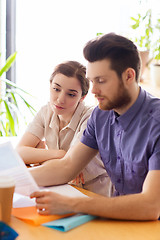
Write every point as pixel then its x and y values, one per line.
pixel 125 128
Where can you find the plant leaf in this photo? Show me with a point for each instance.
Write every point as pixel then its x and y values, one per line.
pixel 14 99
pixel 8 64
pixel 10 119
pixel 15 86
pixel 27 104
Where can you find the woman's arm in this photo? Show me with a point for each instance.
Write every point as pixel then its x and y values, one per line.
pixel 60 171
pixel 29 150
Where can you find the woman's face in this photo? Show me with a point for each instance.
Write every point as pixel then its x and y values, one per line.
pixel 65 94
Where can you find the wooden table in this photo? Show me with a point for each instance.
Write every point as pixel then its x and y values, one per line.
pixel 97 229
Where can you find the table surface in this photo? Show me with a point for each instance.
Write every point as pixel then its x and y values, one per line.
pixel 93 230
pixel 96 229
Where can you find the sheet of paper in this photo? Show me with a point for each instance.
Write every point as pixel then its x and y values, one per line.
pixel 12 165
pixel 65 190
pixel 20 201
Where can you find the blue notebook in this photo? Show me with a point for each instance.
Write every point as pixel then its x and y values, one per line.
pixel 6 232
pixel 66 224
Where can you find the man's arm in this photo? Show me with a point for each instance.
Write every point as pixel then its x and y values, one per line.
pixel 60 171
pixel 29 151
pixel 142 206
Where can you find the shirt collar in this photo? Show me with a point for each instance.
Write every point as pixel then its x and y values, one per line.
pixel 74 120
pixel 126 118
pixel 54 122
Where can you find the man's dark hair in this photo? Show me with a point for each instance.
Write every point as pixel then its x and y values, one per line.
pixel 121 52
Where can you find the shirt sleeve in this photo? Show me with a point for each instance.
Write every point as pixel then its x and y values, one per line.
pixel 36 127
pixel 154 160
pixel 89 137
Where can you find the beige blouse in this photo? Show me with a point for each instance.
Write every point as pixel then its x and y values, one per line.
pixel 45 125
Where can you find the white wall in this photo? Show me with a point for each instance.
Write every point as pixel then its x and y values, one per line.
pixel 51 31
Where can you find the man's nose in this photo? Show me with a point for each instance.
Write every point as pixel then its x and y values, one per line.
pixel 94 89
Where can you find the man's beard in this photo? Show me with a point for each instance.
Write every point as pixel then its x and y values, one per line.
pixel 122 99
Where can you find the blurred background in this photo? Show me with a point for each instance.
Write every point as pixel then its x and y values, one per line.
pixel 47 32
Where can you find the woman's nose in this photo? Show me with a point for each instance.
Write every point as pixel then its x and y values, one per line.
pixel 61 98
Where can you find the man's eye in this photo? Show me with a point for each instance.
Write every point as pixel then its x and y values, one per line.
pixel 100 80
pixel 71 95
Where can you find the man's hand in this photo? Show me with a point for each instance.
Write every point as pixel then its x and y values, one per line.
pixel 49 203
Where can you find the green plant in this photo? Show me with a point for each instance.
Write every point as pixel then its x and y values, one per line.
pixel 142 24
pixel 156 42
pixel 10 110
pixel 146 31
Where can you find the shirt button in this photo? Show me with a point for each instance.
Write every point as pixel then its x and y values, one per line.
pixel 119 133
pixel 119 180
pixel 133 171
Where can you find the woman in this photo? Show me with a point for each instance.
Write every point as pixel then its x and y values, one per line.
pixel 61 123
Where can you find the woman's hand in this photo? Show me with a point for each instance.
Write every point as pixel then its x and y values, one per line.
pixel 49 203
pixel 78 180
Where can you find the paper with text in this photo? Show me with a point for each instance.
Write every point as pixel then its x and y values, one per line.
pixel 12 165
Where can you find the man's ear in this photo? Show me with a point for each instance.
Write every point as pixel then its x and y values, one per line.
pixel 129 75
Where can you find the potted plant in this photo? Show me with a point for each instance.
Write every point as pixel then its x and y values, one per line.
pixel 155 64
pixel 143 32
pixel 10 111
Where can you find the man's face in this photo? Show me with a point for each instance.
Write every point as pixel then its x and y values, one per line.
pixel 107 87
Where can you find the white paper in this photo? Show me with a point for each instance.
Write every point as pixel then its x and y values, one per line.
pixel 20 201
pixel 65 190
pixel 12 165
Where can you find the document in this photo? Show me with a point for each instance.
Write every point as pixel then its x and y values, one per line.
pixel 12 165
pixel 20 201
pixel 24 208
pixel 65 190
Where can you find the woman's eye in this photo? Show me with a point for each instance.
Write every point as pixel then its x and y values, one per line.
pixel 56 89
